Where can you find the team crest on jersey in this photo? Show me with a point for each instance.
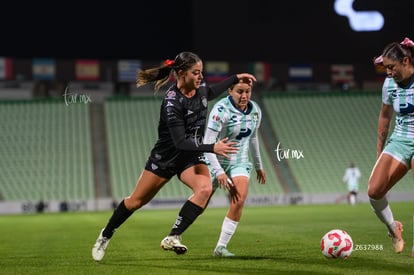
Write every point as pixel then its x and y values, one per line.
pixel 204 101
pixel 216 118
pixel 171 94
pixel 255 117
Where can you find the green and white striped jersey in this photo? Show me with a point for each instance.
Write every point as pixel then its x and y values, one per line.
pixel 402 100
pixel 225 120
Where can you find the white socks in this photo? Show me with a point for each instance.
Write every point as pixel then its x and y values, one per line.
pixel 227 230
pixel 352 199
pixel 383 212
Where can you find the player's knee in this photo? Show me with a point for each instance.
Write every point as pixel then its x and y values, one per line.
pixel 375 193
pixel 242 197
pixel 239 204
pixel 133 204
pixel 205 191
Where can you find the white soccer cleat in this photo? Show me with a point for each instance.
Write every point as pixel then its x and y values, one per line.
pixel 98 250
pixel 173 243
pixel 396 237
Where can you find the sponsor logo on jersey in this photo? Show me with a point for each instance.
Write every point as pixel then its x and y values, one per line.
pixel 157 156
pixel 233 119
pixel 406 108
pixel 243 133
pixel 171 94
pixel 204 101
pixel 170 110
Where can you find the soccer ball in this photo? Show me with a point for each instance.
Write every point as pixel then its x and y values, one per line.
pixel 337 243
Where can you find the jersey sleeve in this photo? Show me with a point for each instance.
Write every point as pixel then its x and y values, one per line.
pixel 211 136
pixel 254 144
pixel 386 99
pixel 216 117
pixel 218 88
pixel 358 173
pixel 345 177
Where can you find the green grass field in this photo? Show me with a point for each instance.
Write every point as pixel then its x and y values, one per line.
pixel 269 240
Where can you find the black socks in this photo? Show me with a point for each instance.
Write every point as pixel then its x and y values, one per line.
pixel 120 215
pixel 187 215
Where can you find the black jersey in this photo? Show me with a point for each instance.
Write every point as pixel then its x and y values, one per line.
pixel 182 123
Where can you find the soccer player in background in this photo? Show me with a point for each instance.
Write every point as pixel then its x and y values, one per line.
pixel 179 149
pixel 237 118
pixel 395 153
pixel 351 178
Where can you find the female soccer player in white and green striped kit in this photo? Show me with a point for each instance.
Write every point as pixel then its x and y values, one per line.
pixel 395 154
pixel 237 118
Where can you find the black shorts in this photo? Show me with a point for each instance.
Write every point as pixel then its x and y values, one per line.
pixel 174 168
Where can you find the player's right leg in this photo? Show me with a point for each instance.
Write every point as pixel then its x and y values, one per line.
pixel 385 174
pixel 396 237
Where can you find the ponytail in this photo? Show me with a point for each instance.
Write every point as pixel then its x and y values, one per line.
pixel 162 74
pixel 397 51
pixel 159 75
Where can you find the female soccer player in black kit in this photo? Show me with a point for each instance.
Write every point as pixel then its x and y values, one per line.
pixel 179 148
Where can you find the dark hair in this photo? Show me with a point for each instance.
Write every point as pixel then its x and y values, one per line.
pixel 161 75
pixel 397 51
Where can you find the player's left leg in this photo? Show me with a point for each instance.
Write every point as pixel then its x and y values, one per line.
pixel 231 221
pixel 197 177
pixel 146 188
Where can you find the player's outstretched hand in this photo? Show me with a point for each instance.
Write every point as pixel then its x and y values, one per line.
pixel 223 148
pixel 246 78
pixel 234 194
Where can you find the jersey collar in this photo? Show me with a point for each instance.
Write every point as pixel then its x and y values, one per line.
pixel 249 106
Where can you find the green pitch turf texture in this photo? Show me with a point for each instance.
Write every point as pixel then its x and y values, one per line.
pixel 269 240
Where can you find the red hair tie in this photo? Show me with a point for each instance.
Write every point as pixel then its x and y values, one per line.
pixel 168 62
pixel 407 42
